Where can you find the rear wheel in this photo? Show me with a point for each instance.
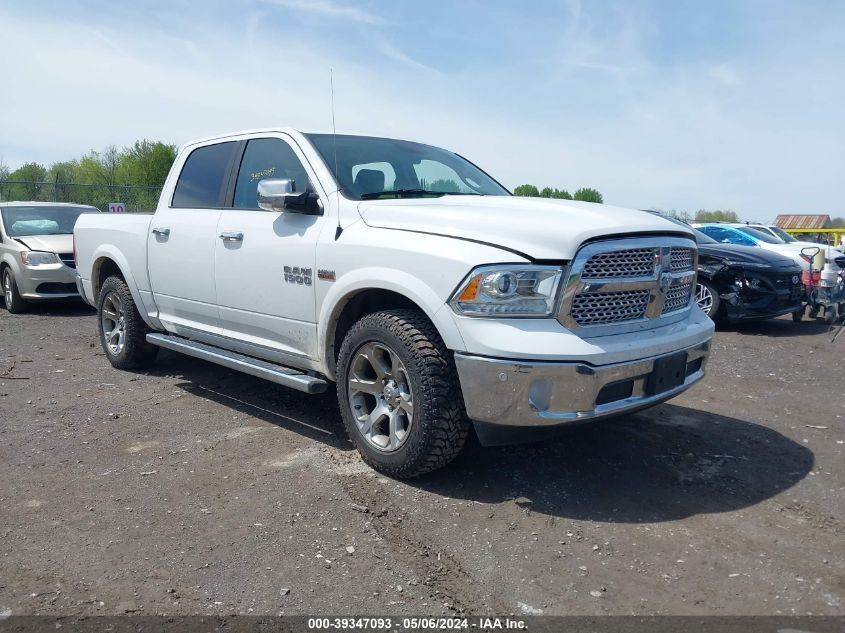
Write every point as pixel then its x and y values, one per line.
pixel 122 331
pixel 14 302
pixel 399 394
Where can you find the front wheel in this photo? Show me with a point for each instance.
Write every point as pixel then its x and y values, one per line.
pixel 14 302
pixel 708 300
pixel 122 331
pixel 399 394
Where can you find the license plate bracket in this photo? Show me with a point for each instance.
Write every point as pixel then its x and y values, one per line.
pixel 668 373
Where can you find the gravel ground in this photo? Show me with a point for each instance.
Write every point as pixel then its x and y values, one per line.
pixel 190 489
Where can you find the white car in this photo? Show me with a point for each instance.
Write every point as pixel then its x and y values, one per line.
pixel 779 234
pixel 36 252
pixel 743 235
pixel 408 276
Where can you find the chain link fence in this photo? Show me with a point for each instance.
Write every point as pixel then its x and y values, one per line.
pixel 135 198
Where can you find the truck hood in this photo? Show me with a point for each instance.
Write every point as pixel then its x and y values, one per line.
pixel 50 243
pixel 538 228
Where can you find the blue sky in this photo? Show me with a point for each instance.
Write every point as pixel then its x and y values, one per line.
pixel 659 104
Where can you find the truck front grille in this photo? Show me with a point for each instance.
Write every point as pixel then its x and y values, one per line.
pixel 682 259
pixel 609 307
pixel 677 298
pixel 631 263
pixel 629 284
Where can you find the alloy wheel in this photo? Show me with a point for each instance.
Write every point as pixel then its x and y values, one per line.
pixel 113 320
pixel 704 298
pixel 380 396
pixel 7 288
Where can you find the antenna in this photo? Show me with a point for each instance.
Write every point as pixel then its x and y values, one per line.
pixel 339 229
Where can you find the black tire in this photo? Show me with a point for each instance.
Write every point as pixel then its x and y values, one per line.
pixel 716 313
pixel 798 315
pixel 15 304
pixel 440 426
pixel 135 352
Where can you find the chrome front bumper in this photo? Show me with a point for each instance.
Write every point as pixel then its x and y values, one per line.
pixel 523 394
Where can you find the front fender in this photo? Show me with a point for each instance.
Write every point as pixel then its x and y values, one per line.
pixel 379 278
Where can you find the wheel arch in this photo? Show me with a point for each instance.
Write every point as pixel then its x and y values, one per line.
pixel 104 267
pixel 342 312
pixel 109 263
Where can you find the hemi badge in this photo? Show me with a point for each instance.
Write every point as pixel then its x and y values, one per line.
pixel 326 275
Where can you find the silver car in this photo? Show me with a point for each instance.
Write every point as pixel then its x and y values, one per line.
pixel 36 252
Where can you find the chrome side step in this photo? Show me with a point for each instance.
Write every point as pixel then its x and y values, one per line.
pixel 278 374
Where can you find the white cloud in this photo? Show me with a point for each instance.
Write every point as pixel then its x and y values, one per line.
pixel 726 75
pixel 328 8
pixel 392 52
pixel 601 112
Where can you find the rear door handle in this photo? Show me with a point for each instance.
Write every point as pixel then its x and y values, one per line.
pixel 232 236
pixel 161 231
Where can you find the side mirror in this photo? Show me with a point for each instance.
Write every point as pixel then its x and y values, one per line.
pixel 280 195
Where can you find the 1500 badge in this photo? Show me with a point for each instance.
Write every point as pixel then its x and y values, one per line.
pixel 299 276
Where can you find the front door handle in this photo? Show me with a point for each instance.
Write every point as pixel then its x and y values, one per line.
pixel 232 236
pixel 162 232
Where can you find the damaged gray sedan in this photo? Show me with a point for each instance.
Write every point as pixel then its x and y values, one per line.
pixel 36 252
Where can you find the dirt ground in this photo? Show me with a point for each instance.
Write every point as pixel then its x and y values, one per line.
pixel 191 489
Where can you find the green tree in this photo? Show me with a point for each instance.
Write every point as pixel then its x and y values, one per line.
pixel 529 191
pixel 146 163
pixel 588 194
pixel 560 194
pixel 837 223
pixel 28 175
pixel 442 184
pixel 703 215
pixel 62 174
pixel 4 170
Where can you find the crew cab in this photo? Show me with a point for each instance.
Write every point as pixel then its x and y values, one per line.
pixel 407 276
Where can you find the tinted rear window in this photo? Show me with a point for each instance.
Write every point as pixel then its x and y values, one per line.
pixel 202 182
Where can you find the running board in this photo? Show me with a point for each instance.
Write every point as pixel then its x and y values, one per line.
pixel 278 374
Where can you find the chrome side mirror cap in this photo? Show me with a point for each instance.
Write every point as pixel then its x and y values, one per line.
pixel 280 195
pixel 273 192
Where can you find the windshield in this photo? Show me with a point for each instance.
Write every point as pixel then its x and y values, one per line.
pixel 758 235
pixel 701 238
pixel 372 168
pixel 25 221
pixel 786 237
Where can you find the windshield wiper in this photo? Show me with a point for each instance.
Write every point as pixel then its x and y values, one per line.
pixel 411 193
pixel 399 193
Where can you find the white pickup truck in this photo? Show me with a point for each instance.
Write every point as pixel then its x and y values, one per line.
pixel 406 275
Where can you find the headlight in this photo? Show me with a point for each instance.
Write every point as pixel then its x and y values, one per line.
pixel 508 291
pixel 37 258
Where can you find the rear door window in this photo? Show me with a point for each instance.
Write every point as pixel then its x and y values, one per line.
pixel 266 158
pixel 202 183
